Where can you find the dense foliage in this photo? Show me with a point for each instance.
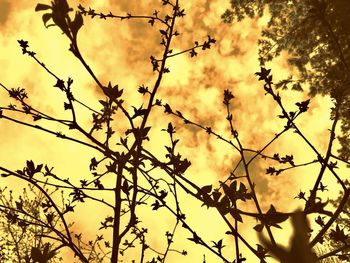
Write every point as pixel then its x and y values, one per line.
pixel 316 34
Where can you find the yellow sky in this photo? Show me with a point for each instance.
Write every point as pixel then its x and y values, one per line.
pixel 119 52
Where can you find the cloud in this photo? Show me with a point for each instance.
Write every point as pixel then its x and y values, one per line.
pixel 4 12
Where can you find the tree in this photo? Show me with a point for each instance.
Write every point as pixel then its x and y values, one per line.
pixel 315 33
pixel 129 179
pixel 22 239
pixel 316 36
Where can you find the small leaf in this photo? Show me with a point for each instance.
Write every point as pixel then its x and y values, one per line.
pixel 156 205
pixel 167 108
pixel 77 23
pixel 303 106
pixel 218 245
pixel 259 227
pixel 46 17
pixel 193 53
pixel 40 7
pixel 196 239
pixel 207 189
pixel 235 214
pixel 297 87
pixel 93 164
pixel 125 187
pixel 36 117
pixel 163 32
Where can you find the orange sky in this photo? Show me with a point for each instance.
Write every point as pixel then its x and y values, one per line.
pixel 119 52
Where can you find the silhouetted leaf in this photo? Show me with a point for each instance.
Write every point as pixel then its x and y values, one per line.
pixel 156 205
pixel 193 53
pixel 60 84
pixel 138 112
pixel 23 44
pixel 170 129
pixel 338 235
pixel 151 21
pixel 227 97
pixel 196 239
pixel 162 195
pixel 218 245
pixel 224 205
pixel 113 92
pixel 31 169
pixel 163 32
pixel 69 208
pixel 49 217
pixel 167 108
pixel 301 195
pixel 36 117
pixel 236 215
pixel 303 106
pixel 320 221
pixel 263 74
pixel 261 252
pixel 40 7
pixel 98 184
pixel 143 90
pixel 216 195
pixel 297 87
pixel 323 187
pixel 45 18
pixel 273 217
pixel 93 164
pixel 273 171
pixel 259 227
pixel 5 174
pixel 77 23
pixel 19 205
pixel 125 187
pixel 206 189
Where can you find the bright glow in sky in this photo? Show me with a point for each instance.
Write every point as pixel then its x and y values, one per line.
pixel 119 51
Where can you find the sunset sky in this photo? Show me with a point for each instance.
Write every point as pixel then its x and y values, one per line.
pixel 119 51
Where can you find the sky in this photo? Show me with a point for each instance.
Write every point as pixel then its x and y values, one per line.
pixel 119 51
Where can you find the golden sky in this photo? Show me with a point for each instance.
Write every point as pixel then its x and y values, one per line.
pixel 119 52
